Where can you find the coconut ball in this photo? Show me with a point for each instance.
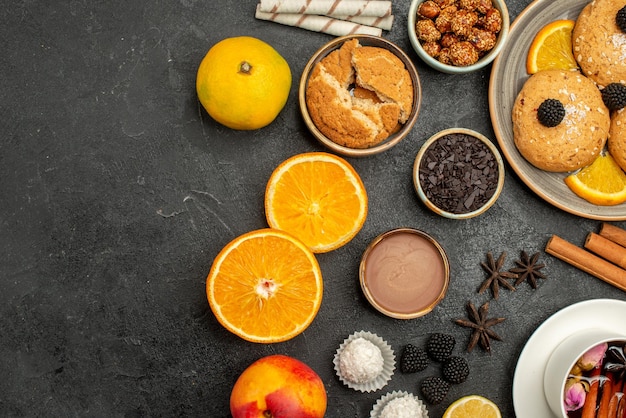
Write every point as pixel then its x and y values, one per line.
pixel 404 407
pixel 360 361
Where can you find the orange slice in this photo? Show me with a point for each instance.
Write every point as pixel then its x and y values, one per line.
pixel 551 48
pixel 317 197
pixel 265 286
pixel 601 183
pixel 472 406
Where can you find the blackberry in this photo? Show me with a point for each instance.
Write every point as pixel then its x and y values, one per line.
pixel 620 19
pixel 414 359
pixel 614 95
pixel 455 370
pixel 440 346
pixel 550 113
pixel 434 389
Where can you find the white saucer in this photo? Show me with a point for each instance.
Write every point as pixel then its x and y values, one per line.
pixel 528 397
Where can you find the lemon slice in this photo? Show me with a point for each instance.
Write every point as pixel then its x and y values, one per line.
pixel 472 406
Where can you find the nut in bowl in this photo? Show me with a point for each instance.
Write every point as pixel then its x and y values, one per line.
pixel 458 173
pixel 359 95
pixel 458 36
pixel 585 373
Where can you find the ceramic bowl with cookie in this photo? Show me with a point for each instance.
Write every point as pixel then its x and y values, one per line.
pixel 359 95
pixel 458 36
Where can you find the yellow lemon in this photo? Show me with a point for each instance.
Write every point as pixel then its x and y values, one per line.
pixel 243 83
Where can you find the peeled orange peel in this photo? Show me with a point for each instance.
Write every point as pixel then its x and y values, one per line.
pixel 601 183
pixel 265 286
pixel 551 48
pixel 317 197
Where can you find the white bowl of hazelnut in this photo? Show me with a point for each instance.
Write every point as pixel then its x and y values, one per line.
pixel 458 36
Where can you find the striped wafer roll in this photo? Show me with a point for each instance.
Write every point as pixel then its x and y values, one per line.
pixel 323 24
pixel 331 8
pixel 384 22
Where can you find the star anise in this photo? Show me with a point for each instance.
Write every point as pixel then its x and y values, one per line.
pixel 481 325
pixel 496 277
pixel 528 269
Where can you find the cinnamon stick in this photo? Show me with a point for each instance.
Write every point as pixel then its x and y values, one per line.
pixel 589 408
pixel 616 395
pixel 606 249
pixel 587 262
pixel 605 399
pixel 613 233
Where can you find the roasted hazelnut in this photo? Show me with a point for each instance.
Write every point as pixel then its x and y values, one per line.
pixel 426 31
pixel 428 9
pixel 484 6
pixel 444 56
pixel 432 48
pixel 445 17
pixel 448 39
pixel 463 21
pixel 470 5
pixel 492 21
pixel 483 40
pixel 463 54
pixel 444 3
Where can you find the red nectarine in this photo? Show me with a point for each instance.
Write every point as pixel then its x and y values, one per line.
pixel 278 386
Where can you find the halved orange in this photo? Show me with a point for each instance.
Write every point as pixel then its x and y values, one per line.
pixel 472 406
pixel 317 197
pixel 601 183
pixel 551 48
pixel 265 286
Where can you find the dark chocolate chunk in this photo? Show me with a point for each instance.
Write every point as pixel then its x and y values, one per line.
pixel 458 173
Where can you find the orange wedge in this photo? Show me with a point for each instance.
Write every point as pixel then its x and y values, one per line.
pixel 265 286
pixel 472 406
pixel 551 48
pixel 601 183
pixel 317 197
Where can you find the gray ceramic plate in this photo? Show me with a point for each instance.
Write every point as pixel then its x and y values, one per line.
pixel 507 78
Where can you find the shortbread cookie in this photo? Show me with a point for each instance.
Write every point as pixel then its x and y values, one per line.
pixel 577 138
pixel 617 137
pixel 380 71
pixel 599 45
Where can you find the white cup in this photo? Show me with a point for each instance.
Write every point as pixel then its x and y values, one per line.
pixel 564 357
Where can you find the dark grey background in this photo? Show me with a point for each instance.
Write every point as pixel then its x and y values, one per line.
pixel 117 191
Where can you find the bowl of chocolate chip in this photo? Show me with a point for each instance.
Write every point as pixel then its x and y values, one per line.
pixel 359 95
pixel 458 173
pixel 458 36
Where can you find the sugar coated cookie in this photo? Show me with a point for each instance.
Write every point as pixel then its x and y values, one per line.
pixel 599 45
pixel 574 120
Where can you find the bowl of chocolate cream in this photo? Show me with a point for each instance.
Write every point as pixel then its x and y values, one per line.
pixel 404 273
